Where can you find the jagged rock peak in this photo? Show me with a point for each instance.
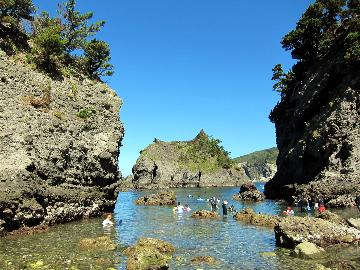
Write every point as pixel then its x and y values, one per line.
pixel 201 135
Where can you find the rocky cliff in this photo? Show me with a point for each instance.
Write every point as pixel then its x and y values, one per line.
pixel 59 147
pixel 200 162
pixel 318 133
pixel 259 165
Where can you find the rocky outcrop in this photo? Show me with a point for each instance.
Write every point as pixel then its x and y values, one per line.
pixel 59 147
pixel 249 192
pixel 292 231
pixel 248 215
pixel 201 162
pixel 204 260
pixel 259 166
pixel 149 253
pixel 318 133
pixel 354 222
pixel 204 214
pixel 98 243
pixel 308 250
pixel 161 198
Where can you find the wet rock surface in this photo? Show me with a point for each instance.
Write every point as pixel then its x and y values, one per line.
pixel 249 216
pixel 308 250
pixel 292 231
pixel 99 243
pixel 354 222
pixel 149 253
pixel 59 148
pixel 161 198
pixel 204 260
pixel 249 192
pixel 205 214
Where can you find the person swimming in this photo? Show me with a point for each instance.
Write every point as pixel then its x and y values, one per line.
pixel 108 221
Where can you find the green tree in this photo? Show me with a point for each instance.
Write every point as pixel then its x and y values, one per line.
pixel 96 59
pixel 48 46
pixel 312 36
pixel 76 26
pixel 12 13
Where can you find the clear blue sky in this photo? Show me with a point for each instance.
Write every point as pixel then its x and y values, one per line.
pixel 187 65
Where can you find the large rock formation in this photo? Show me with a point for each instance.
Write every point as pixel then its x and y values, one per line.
pixel 59 147
pixel 200 162
pixel 318 133
pixel 260 165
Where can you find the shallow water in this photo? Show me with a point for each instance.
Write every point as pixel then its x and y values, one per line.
pixel 233 244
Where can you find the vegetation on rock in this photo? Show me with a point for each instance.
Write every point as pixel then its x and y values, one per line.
pixel 261 157
pixel 60 45
pixel 316 35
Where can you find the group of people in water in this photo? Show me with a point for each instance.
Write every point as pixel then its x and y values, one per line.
pixel 306 205
pixel 214 205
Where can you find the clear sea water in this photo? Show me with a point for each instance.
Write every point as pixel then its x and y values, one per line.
pixel 235 245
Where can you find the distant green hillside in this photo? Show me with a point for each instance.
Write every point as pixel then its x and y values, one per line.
pixel 259 165
pixel 259 157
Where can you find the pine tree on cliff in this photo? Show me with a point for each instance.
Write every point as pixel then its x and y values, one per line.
pixel 315 35
pixel 12 13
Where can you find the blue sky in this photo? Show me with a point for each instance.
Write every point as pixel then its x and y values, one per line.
pixel 183 66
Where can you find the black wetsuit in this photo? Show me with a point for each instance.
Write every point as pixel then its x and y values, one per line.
pixel 224 208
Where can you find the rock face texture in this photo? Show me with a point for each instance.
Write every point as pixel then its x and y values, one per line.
pixel 59 147
pixel 249 192
pixel 161 198
pixel 196 163
pixel 259 166
pixel 149 253
pixel 318 135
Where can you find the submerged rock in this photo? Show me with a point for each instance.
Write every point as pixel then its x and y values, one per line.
pixel 99 243
pixel 205 214
pixel 204 260
pixel 149 254
pixel 162 198
pixel 308 250
pixel 292 231
pixel 249 216
pixel 249 192
pixel 59 147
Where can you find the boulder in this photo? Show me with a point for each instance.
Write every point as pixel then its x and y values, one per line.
pixel 161 198
pixel 205 214
pixel 149 254
pixel 248 215
pixel 329 216
pixel 247 187
pixel 98 243
pixel 292 231
pixel 354 222
pixel 249 192
pixel 204 260
pixel 308 250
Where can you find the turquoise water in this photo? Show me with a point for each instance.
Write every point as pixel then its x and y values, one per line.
pixel 233 244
